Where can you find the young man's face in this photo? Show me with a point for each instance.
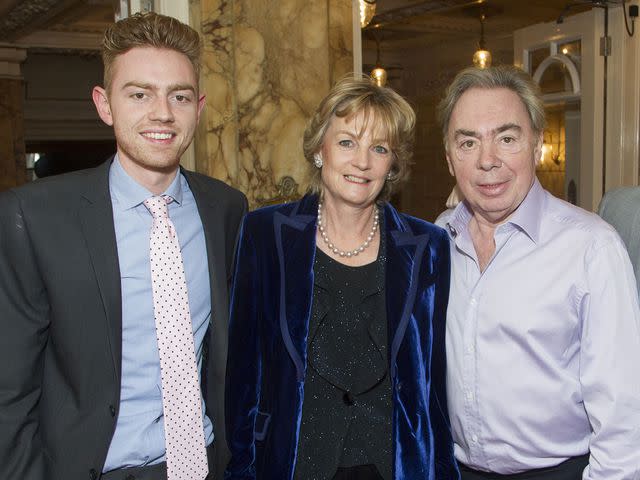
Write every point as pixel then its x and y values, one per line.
pixel 153 106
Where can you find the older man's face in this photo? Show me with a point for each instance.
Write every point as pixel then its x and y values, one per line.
pixel 492 151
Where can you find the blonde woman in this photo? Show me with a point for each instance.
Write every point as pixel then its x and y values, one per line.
pixel 336 356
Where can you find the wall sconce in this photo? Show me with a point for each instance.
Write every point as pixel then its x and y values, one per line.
pixel 482 57
pixel 549 150
pixel 367 11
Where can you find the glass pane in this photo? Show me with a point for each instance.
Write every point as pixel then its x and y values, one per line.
pixel 551 169
pixel 536 57
pixel 572 50
pixel 31 160
pixel 556 79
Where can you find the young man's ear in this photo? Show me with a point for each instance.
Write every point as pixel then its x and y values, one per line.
pixel 101 101
pixel 201 104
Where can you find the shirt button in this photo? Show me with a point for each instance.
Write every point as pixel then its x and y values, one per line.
pixel 348 398
pixel 93 474
pixel 470 349
pixel 473 302
pixel 474 438
pixel 469 396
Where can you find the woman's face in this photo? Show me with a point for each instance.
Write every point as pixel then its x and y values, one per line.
pixel 355 161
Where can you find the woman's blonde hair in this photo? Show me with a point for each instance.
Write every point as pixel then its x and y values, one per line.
pixel 149 29
pixel 395 122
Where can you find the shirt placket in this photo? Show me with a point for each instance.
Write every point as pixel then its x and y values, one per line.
pixel 476 282
pixel 470 359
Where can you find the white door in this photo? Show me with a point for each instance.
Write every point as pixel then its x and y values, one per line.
pixel 565 61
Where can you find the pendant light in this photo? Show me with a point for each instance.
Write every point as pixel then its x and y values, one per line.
pixel 379 74
pixel 482 57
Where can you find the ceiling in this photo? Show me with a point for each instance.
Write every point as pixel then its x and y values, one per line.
pixel 57 24
pixel 398 23
pixel 413 23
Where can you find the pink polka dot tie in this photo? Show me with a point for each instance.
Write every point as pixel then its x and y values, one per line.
pixel 181 401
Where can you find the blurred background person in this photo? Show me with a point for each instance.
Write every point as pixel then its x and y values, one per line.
pixel 621 208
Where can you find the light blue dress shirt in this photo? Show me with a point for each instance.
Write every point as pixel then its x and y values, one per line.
pixel 543 346
pixel 139 435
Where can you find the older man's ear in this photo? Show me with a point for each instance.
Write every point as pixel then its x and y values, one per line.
pixel 455 197
pixel 538 151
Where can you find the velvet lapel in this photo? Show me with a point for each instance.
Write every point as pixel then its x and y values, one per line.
pixel 295 244
pixel 96 219
pixel 405 252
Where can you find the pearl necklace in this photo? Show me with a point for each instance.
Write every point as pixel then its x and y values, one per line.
pixel 349 253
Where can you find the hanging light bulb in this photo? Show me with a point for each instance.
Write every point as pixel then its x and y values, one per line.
pixel 482 57
pixel 379 76
pixel 367 11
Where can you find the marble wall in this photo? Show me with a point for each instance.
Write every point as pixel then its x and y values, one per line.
pixel 12 157
pixel 266 66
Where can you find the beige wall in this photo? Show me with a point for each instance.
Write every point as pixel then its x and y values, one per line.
pixel 266 67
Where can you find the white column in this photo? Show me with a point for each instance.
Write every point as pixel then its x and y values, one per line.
pixel 357 38
pixel 623 98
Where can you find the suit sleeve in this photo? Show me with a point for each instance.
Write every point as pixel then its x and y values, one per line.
pixel 445 463
pixel 24 322
pixel 602 208
pixel 244 361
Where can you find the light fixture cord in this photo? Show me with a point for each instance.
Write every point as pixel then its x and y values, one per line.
pixel 482 47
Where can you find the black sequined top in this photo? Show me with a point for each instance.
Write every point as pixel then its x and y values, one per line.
pixel 346 413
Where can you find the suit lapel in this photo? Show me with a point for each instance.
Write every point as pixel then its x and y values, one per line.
pixel 405 252
pixel 213 223
pixel 96 220
pixel 295 244
pixel 212 217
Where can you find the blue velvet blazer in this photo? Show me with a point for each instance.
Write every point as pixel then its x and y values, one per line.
pixel 271 306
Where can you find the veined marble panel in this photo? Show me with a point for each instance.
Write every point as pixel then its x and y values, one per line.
pixel 266 67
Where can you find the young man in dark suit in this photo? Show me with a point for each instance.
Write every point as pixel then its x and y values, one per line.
pixel 86 362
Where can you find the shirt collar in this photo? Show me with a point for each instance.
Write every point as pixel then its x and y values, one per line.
pixel 128 193
pixel 527 216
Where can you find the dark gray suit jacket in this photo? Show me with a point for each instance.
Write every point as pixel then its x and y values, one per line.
pixel 61 326
pixel 621 208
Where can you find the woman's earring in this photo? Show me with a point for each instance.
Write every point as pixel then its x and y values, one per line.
pixel 317 160
pixel 389 176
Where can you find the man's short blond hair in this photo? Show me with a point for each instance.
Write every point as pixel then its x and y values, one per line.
pixel 149 30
